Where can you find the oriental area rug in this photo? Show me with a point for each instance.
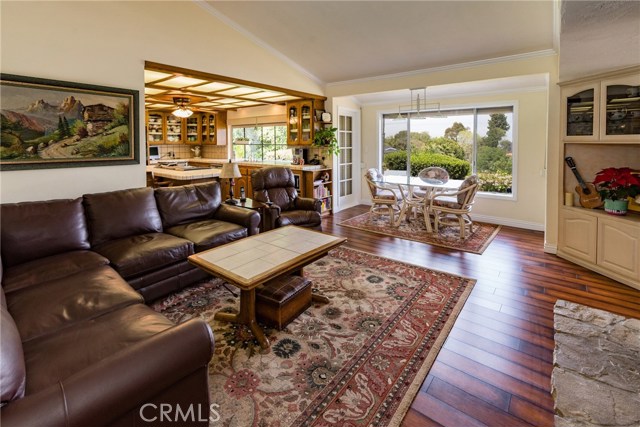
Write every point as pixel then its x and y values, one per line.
pixel 357 361
pixel 447 237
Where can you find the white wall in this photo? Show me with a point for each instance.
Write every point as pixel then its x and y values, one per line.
pixel 106 43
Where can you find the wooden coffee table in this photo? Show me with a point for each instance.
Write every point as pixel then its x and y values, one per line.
pixel 250 262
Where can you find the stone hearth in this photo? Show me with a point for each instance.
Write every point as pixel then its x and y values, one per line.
pixel 596 373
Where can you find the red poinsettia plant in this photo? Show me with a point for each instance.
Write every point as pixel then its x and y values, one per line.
pixel 617 183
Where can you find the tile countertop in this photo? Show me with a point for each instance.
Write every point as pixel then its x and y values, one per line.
pixel 184 175
pixel 218 162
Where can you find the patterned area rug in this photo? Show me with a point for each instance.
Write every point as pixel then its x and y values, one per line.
pixel 447 237
pixel 357 361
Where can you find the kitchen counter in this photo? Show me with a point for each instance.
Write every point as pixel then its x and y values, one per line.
pixel 218 162
pixel 186 175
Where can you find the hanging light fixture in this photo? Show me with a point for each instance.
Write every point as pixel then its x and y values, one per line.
pixel 419 108
pixel 183 111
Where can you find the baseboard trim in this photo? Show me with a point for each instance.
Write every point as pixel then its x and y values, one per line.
pixel 509 222
pixel 550 249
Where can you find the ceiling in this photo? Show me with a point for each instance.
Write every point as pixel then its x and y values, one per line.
pixel 335 41
pixel 167 86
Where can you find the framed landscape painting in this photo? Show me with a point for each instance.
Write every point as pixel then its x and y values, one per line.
pixel 55 124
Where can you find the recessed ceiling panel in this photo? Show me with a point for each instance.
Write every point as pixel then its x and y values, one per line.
pixel 180 82
pixel 212 87
pixel 263 94
pixel 152 76
pixel 240 91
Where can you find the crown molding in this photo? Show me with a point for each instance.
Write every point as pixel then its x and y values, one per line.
pixel 462 65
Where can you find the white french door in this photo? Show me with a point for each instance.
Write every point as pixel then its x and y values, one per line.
pixel 348 167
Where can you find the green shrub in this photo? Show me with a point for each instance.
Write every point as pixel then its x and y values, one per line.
pixel 495 182
pixel 457 169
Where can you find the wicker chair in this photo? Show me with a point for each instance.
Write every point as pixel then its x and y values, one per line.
pixel 453 207
pixel 384 200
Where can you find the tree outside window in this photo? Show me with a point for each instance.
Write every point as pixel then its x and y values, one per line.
pixel 447 139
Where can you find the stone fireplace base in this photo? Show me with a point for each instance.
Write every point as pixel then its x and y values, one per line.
pixel 596 373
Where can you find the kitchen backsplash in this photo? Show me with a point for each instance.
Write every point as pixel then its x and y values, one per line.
pixel 181 151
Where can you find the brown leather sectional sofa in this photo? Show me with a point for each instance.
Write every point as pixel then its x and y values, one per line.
pixel 79 346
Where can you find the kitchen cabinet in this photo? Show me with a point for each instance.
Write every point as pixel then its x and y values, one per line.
pixel 200 128
pixel 601 242
pixel 302 121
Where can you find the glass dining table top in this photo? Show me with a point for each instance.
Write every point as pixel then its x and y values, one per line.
pixel 414 181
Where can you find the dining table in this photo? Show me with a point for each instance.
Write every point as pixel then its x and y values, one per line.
pixel 418 191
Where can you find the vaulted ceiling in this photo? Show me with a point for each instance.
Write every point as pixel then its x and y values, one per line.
pixel 333 41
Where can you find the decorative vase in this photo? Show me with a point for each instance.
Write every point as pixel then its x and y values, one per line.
pixel 616 207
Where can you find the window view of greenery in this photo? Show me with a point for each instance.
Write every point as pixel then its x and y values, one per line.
pixel 448 140
pixel 261 143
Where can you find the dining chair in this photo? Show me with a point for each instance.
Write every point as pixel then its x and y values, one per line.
pixel 453 207
pixel 413 201
pixel 431 175
pixel 384 200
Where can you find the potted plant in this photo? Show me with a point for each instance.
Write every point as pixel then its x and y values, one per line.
pixel 615 186
pixel 326 139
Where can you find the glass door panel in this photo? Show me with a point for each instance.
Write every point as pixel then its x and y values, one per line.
pixel 580 113
pixel 622 110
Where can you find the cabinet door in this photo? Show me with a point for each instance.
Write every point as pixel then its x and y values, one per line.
pixel 306 123
pixel 578 233
pixel 620 109
pixel 220 130
pixel 174 132
pixel 293 134
pixel 580 113
pixel 192 128
pixel 619 247
pixel 208 128
pixel 155 128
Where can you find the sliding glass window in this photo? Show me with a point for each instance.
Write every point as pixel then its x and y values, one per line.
pixel 261 143
pixel 464 141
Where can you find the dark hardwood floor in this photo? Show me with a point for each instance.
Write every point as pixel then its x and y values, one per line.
pixel 495 367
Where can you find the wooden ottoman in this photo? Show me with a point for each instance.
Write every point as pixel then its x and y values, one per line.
pixel 281 300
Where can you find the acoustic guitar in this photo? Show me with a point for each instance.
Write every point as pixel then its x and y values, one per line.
pixel 589 196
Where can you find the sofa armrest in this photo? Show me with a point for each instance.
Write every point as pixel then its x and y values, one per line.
pixel 247 218
pixel 118 384
pixel 308 204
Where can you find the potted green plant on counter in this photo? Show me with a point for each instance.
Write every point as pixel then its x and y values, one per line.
pixel 615 186
pixel 326 139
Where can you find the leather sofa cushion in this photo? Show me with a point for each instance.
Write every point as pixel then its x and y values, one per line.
pixel 121 213
pixel 12 366
pixel 179 205
pixel 135 255
pixel 301 218
pixel 54 357
pixel 64 302
pixel 209 234
pixel 50 268
pixel 32 230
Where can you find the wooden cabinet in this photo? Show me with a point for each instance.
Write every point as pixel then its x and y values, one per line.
pixel 619 247
pixel 318 184
pixel 192 129
pixel 200 128
pixel 578 233
pixel 601 242
pixel 301 121
pixel 600 125
pixel 602 109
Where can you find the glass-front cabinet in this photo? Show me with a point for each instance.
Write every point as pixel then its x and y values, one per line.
pixel 620 118
pixel 208 128
pixel 300 122
pixel 192 126
pixel 155 131
pixel 174 129
pixel 606 110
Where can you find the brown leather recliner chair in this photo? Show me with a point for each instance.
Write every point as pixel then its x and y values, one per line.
pixel 277 185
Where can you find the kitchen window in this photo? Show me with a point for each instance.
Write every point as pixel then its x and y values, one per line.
pixel 261 143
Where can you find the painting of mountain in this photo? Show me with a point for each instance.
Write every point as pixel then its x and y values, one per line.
pixel 65 123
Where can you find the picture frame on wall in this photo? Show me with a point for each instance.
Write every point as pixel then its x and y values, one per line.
pixel 58 124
